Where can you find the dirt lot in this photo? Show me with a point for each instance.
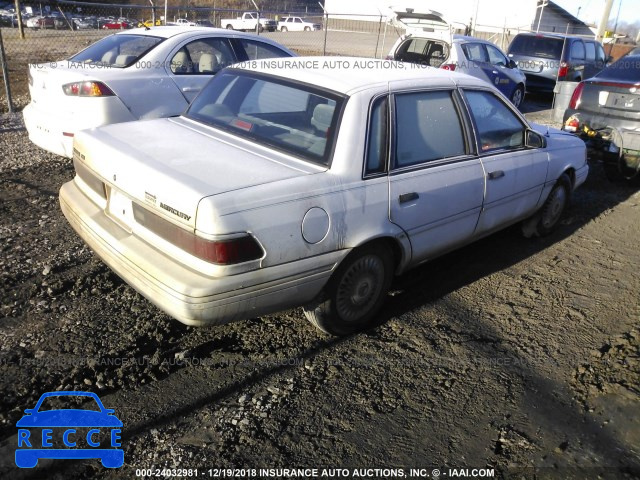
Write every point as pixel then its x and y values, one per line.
pixel 516 355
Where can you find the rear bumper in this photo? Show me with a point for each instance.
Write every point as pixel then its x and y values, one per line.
pixel 189 296
pixel 54 130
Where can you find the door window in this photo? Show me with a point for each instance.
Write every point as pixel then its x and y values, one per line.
pixel 257 50
pixel 378 135
pixel 205 56
pixel 496 57
pixel 496 125
pixel 577 50
pixel 428 128
pixel 590 48
pixel 475 52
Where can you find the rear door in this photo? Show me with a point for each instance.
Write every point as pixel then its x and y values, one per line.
pixel 436 183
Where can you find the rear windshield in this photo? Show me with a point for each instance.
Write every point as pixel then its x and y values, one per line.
pixel 532 46
pixel 117 50
pixel 626 69
pixel 296 118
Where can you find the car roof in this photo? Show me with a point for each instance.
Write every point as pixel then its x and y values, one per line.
pixel 467 38
pixel 551 35
pixel 168 31
pixel 348 74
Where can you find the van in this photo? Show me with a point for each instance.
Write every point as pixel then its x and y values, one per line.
pixel 547 58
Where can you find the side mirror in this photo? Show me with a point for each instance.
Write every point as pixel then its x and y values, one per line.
pixel 609 60
pixel 512 64
pixel 535 140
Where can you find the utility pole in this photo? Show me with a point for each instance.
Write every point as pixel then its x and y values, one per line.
pixel 604 20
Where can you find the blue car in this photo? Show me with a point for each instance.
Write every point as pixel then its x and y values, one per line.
pixel 429 41
pixel 37 438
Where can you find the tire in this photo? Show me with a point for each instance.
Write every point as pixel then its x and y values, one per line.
pixel 517 96
pixel 355 292
pixel 307 29
pixel 260 29
pixel 284 29
pixel 229 27
pixel 547 218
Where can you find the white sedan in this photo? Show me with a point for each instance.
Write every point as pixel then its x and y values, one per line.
pixel 312 181
pixel 135 74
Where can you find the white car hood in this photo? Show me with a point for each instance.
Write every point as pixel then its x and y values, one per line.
pixel 178 162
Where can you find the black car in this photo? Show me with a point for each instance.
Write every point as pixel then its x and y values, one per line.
pixel 547 58
pixel 605 112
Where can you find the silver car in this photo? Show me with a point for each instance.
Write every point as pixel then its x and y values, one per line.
pixel 312 181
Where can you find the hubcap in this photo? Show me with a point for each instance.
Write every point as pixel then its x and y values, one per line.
pixel 554 208
pixel 517 97
pixel 360 288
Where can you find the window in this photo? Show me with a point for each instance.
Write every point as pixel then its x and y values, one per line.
pixel 590 48
pixel 274 98
pixel 117 50
pixel 600 57
pixel 290 117
pixel 577 50
pixel 378 135
pixel 202 57
pixel 496 125
pixel 496 57
pixel 475 52
pixel 428 128
pixel 536 46
pixel 258 50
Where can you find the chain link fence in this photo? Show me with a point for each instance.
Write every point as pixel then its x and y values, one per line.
pixel 53 32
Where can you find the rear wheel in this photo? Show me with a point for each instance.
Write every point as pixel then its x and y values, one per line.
pixel 229 27
pixel 355 292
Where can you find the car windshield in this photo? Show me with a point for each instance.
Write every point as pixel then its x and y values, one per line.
pixel 534 46
pixel 292 117
pixel 625 69
pixel 117 50
pixel 65 402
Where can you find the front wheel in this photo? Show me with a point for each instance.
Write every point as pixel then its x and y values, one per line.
pixel 229 27
pixel 517 96
pixel 355 292
pixel 284 29
pixel 547 218
pixel 307 29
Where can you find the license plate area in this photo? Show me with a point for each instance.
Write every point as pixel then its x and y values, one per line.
pixel 622 100
pixel 120 209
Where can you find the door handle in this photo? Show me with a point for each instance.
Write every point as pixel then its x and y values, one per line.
pixel 190 89
pixel 495 175
pixel 408 197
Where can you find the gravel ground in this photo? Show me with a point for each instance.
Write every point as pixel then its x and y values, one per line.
pixel 517 355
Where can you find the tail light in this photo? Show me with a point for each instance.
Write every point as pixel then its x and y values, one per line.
pixel 572 124
pixel 230 251
pixel 575 98
pixel 563 70
pixel 87 89
pixel 448 66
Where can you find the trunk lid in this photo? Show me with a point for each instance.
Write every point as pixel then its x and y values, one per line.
pixel 611 97
pixel 420 20
pixel 171 164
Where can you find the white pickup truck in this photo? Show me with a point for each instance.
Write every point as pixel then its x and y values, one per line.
pixel 248 22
